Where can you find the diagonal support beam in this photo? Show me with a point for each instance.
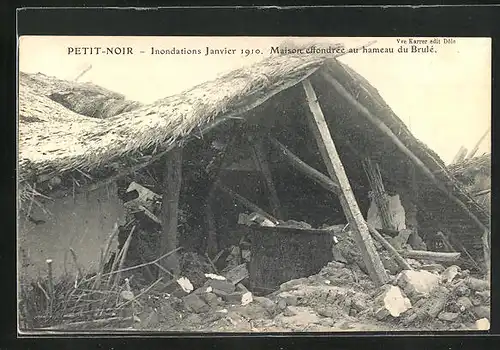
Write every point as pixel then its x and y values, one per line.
pixel 336 171
pixel 415 160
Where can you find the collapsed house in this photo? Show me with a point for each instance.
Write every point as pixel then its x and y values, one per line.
pixel 292 138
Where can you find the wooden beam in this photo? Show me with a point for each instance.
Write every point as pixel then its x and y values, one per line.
pixel 399 259
pixel 336 171
pixel 260 159
pixel 307 170
pixel 172 180
pixel 246 203
pixel 388 132
pixel 424 254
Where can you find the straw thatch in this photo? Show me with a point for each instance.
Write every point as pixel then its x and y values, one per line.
pixel 55 140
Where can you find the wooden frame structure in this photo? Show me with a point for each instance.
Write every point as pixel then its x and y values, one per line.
pixel 337 182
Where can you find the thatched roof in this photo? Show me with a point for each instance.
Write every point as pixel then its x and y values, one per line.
pixel 53 140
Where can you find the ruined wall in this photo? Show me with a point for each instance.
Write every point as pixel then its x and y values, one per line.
pixel 82 223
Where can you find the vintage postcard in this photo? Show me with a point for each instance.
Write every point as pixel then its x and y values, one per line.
pixel 253 184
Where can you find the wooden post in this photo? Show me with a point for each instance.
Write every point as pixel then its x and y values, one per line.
pixel 170 204
pixel 260 159
pixel 350 206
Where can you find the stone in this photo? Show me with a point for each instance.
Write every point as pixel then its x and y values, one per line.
pixel 478 284
pixel 390 301
pixel 433 268
pixel 417 283
pixel 222 285
pixel 289 312
pixel 482 311
pixel 359 304
pixel 483 324
pixel 450 273
pixel 448 316
pixel 292 284
pixel 464 303
pixel 484 296
pixel 232 298
pixel 211 299
pixel 194 303
pixel 246 298
pixel 289 298
pixel 237 274
pixel 266 303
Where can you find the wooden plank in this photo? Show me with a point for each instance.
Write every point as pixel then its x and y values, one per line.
pixel 307 170
pixel 400 145
pixel 336 171
pixel 172 180
pixel 424 254
pixel 260 159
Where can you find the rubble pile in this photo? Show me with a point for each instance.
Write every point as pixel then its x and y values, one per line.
pixel 340 297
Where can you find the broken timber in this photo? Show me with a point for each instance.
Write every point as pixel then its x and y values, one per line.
pixel 305 169
pixel 424 254
pixel 336 171
pixel 399 259
pixel 172 179
pixel 385 129
pixel 246 203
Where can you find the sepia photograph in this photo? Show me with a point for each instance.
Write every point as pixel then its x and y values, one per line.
pixel 253 184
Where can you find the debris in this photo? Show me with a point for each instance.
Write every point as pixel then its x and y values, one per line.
pixel 233 298
pixel 432 267
pixel 428 255
pixel 260 220
pixel 185 284
pixel 246 255
pixel 211 299
pixel 289 285
pixel 194 303
pixel 483 324
pixel 482 311
pixel 237 274
pixel 484 295
pixel 448 316
pixel 417 283
pixel 215 277
pixel 221 285
pixel 477 284
pixel 241 288
pixel 390 302
pixel 296 224
pixel 450 273
pixel 464 303
pixel 246 298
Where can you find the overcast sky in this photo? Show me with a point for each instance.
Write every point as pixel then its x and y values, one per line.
pixel 444 97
